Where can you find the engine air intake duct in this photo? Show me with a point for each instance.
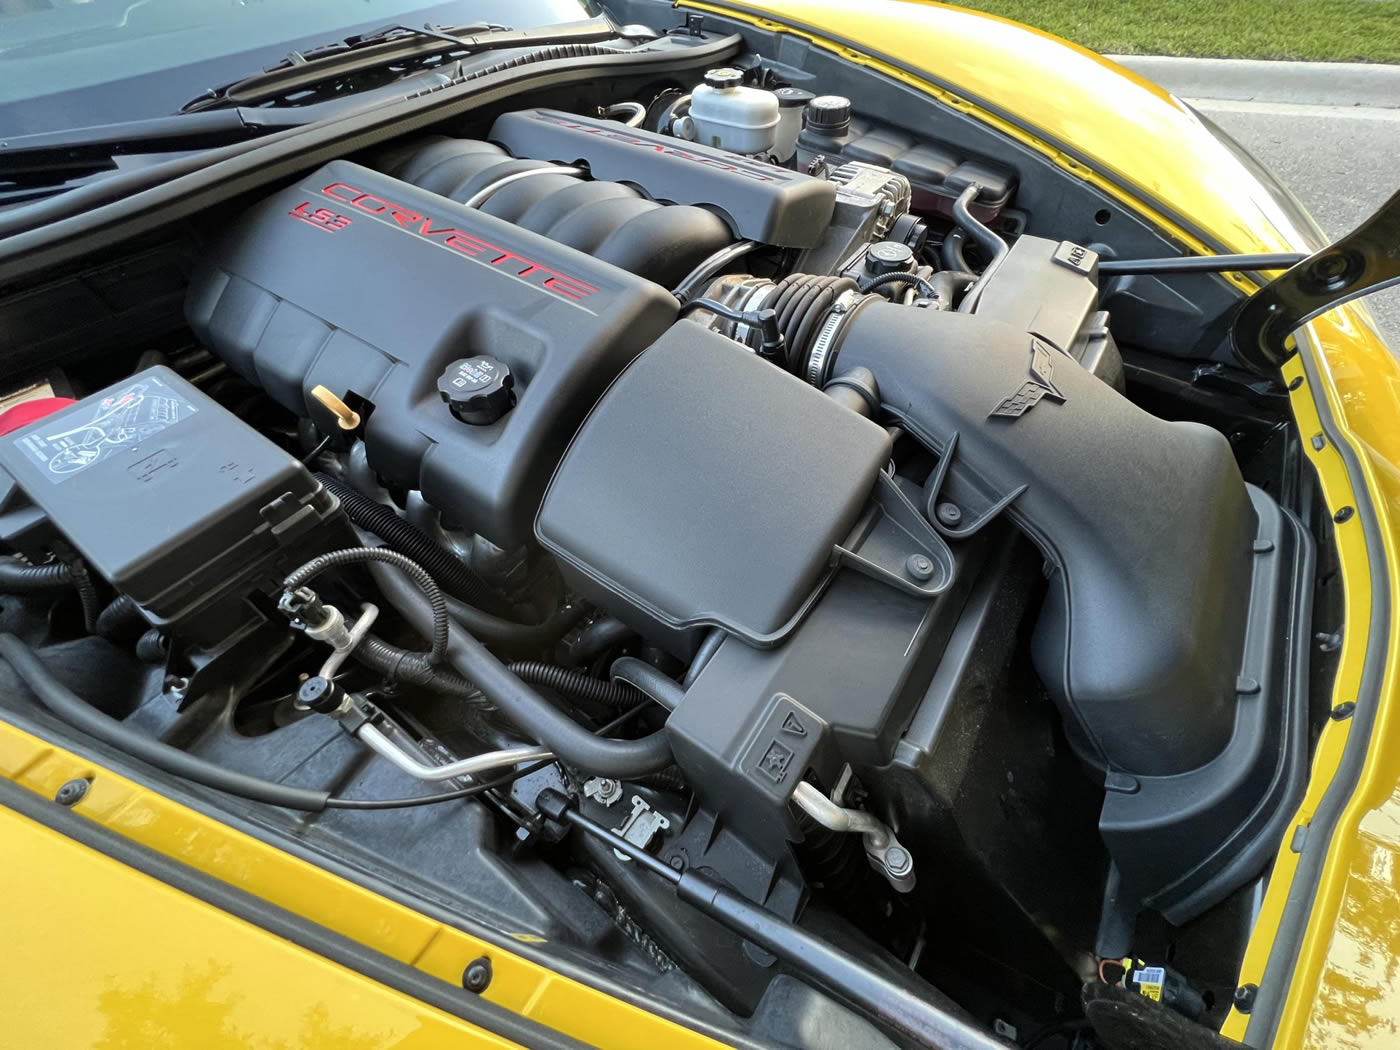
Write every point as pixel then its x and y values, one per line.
pixel 1177 595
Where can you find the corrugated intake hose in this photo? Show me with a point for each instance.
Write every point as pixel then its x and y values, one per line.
pixel 432 593
pixel 622 759
pixel 577 684
pixel 68 706
pixel 802 301
pixel 408 539
pixel 19 578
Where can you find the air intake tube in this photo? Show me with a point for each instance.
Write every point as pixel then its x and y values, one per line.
pixel 1146 524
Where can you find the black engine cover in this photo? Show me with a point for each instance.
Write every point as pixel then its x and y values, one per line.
pixel 372 287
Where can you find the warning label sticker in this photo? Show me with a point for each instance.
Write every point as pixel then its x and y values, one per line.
pixel 1150 981
pixel 96 431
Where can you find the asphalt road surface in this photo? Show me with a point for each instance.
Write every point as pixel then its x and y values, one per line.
pixel 1329 131
pixel 1339 161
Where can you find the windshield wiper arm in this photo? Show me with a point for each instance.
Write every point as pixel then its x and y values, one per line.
pixel 391 46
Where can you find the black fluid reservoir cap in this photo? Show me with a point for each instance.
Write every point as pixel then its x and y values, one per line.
pixel 724 77
pixel 888 256
pixel 789 97
pixel 829 114
pixel 479 390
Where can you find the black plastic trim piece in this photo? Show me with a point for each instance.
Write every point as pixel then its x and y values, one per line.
pixel 290 927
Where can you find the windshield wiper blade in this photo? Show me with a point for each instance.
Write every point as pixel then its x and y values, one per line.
pixel 391 46
pixel 75 151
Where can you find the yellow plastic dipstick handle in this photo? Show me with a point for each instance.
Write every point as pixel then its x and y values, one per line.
pixel 345 416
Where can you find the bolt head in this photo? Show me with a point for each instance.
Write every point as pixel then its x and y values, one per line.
pixel 919 566
pixel 477 976
pixel 949 514
pixel 897 861
pixel 71 792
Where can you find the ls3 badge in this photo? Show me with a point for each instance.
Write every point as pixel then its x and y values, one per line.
pixel 1039 385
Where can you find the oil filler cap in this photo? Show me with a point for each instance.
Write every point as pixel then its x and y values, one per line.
pixel 478 390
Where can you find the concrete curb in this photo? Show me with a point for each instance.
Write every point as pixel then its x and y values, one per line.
pixel 1251 80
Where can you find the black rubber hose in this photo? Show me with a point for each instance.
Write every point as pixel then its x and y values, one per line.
pixel 1199 264
pixel 151 647
pixel 899 277
pixel 520 703
pixel 641 675
pixel 121 618
pixel 367 555
pixel 597 638
pixel 87 593
pixel 19 578
pixel 577 684
pixel 408 539
pixel 670 779
pixel 802 302
pixel 949 284
pixel 67 705
pixel 951 252
pixel 517 635
pixel 987 239
pixel 403 665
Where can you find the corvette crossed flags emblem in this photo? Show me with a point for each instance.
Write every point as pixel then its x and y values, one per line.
pixel 1039 385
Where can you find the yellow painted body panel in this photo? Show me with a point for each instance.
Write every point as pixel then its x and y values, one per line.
pixel 1146 150
pixel 297 885
pixel 114 959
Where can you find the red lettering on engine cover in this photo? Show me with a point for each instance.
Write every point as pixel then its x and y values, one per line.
pixel 468 244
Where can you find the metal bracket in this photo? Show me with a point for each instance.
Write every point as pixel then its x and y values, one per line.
pixel 642 825
pixel 1364 261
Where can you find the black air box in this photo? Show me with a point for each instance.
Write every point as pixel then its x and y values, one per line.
pixel 170 497
pixel 709 488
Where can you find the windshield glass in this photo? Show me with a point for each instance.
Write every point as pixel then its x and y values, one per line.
pixel 74 63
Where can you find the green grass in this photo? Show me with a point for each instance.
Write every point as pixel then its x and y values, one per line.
pixel 1322 30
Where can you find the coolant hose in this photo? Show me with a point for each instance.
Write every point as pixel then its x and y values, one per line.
pixel 18 578
pixel 507 632
pixel 987 239
pixel 68 706
pixel 408 539
pixel 641 675
pixel 622 759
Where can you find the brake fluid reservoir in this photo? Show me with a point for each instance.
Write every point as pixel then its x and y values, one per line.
pixel 725 113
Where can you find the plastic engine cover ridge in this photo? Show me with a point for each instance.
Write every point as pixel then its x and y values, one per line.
pixel 760 202
pixel 371 287
pixel 1146 524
